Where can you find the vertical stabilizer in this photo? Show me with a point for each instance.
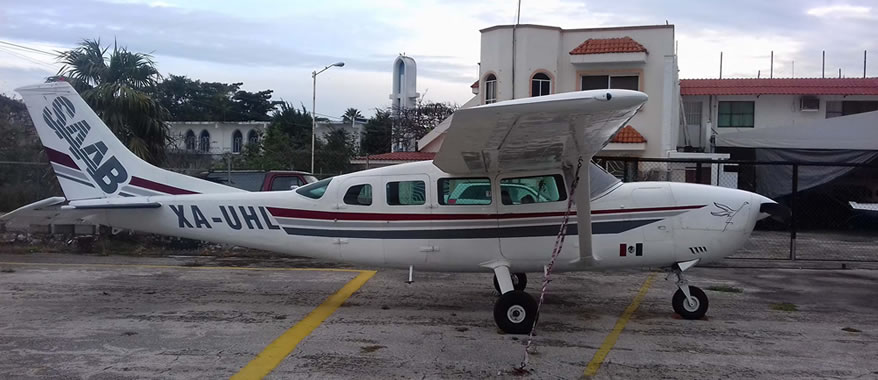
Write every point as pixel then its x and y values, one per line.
pixel 88 159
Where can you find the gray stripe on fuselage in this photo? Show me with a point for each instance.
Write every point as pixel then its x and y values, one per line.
pixel 598 228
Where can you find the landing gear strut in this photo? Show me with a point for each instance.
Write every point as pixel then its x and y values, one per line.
pixel 519 282
pixel 515 310
pixel 689 302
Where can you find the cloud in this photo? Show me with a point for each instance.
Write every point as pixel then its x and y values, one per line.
pixel 841 11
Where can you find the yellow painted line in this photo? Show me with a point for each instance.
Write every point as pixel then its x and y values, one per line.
pixel 147 266
pixel 278 350
pixel 610 341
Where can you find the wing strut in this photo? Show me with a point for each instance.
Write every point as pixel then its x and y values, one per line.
pixel 574 197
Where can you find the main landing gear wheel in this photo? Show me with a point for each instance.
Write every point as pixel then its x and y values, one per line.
pixel 692 308
pixel 515 311
pixel 519 281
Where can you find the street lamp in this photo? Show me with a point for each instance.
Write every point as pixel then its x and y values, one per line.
pixel 314 108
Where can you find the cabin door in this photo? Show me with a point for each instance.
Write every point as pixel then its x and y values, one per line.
pixel 407 222
pixel 359 201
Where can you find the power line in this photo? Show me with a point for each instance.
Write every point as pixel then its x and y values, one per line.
pixel 28 48
pixel 32 60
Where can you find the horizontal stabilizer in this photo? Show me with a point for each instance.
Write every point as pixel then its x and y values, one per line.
pixel 112 203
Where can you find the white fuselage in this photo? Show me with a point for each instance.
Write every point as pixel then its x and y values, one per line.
pixel 649 224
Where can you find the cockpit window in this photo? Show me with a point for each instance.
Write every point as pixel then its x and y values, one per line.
pixel 601 181
pixel 314 190
pixel 536 189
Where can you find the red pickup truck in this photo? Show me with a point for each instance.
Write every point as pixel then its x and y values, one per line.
pixel 257 180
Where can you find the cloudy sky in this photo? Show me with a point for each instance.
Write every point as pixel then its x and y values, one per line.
pixel 276 44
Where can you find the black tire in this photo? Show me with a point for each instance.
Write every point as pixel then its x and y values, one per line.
pixel 519 282
pixel 686 310
pixel 515 311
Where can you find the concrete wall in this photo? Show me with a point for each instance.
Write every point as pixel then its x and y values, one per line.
pixel 220 133
pixel 546 49
pixel 769 110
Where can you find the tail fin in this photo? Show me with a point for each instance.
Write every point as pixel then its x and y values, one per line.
pixel 88 159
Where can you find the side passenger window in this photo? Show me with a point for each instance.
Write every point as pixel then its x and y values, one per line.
pixel 405 193
pixel 538 189
pixel 464 191
pixel 360 195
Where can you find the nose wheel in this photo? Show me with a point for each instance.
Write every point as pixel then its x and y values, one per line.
pixel 689 302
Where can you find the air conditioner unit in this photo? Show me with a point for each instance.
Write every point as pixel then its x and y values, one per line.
pixel 809 104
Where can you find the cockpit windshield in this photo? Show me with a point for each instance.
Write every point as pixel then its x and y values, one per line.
pixel 601 181
pixel 314 190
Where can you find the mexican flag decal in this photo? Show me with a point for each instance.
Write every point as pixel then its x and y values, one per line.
pixel 636 249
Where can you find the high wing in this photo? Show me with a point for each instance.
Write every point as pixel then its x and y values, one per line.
pixel 535 133
pixel 547 132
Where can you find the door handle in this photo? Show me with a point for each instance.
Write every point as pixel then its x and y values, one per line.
pixel 341 241
pixel 429 248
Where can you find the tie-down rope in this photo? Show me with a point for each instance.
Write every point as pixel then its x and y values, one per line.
pixel 559 243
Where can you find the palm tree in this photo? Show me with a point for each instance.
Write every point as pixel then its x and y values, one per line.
pixel 351 114
pixel 118 86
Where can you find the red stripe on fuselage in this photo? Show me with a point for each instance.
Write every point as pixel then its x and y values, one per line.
pixel 155 186
pixel 327 215
pixel 60 158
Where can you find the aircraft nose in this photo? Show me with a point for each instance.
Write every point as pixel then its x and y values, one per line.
pixel 770 208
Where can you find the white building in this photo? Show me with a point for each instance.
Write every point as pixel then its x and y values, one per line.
pixel 354 129
pixel 719 106
pixel 533 60
pixel 215 137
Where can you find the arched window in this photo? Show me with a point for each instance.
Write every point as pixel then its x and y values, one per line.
pixel 204 142
pixel 237 142
pixel 189 140
pixel 490 89
pixel 252 137
pixel 540 85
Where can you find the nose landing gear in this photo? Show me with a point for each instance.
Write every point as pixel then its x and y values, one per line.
pixel 689 302
pixel 519 282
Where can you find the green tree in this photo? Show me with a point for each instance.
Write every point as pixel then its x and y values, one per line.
pixel 287 142
pixel 377 133
pixel 351 114
pixel 193 100
pixel 118 85
pixel 334 156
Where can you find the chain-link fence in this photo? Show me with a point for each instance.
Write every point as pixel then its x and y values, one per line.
pixel 834 206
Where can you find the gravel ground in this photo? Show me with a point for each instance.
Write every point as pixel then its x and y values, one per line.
pixel 111 317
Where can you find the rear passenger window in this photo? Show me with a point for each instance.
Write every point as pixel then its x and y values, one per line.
pixel 360 195
pixel 464 191
pixel 406 193
pixel 539 189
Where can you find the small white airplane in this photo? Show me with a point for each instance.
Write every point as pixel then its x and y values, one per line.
pixel 493 199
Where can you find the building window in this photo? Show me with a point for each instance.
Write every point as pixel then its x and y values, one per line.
pixel 237 142
pixel 540 85
pixel 603 82
pixel 736 114
pixel 204 142
pixel 190 140
pixel 359 195
pixel 406 193
pixel 252 137
pixel 849 107
pixel 490 89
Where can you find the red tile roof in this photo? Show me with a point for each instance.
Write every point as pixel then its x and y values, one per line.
pixel 475 85
pixel 628 135
pixel 608 45
pixel 401 156
pixel 780 86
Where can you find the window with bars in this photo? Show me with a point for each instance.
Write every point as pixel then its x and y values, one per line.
pixel 540 85
pixel 603 82
pixel 204 142
pixel 237 142
pixel 736 114
pixel 490 89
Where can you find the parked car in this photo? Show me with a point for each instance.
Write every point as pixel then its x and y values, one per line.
pixel 257 180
